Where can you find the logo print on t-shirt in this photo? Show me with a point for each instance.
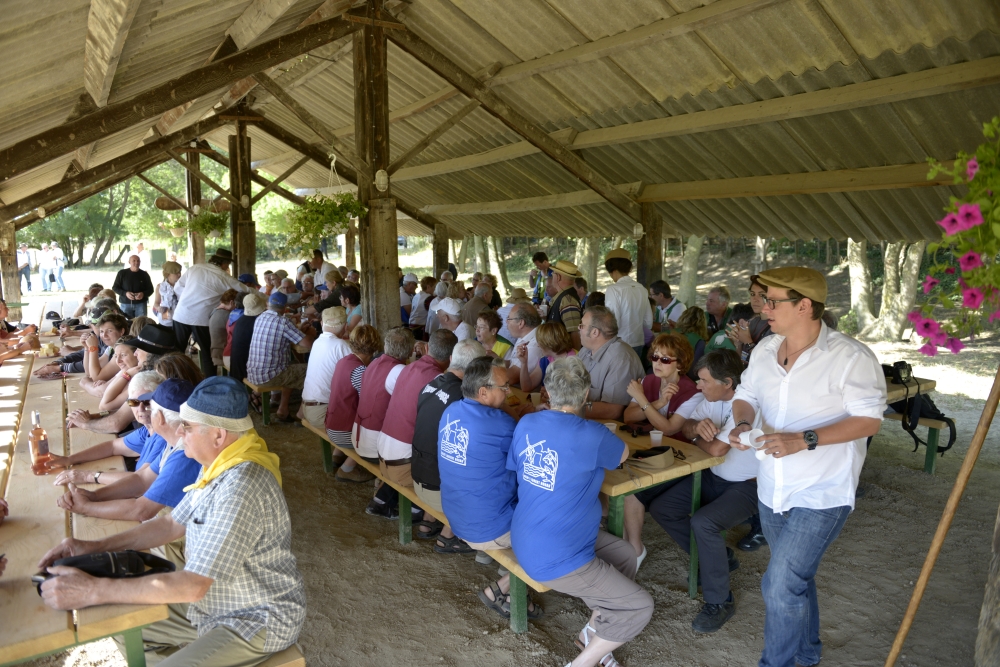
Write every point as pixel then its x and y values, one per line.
pixel 540 465
pixel 454 442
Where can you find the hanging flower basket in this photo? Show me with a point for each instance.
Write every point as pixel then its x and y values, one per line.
pixel 178 231
pixel 972 234
pixel 322 216
pixel 209 224
pixel 214 234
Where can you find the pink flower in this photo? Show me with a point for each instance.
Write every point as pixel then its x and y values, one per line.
pixel 955 345
pixel 928 350
pixel 914 316
pixel 950 270
pixel 968 261
pixel 927 328
pixel 930 282
pixel 972 298
pixel 969 215
pixel 951 224
pixel 995 316
pixel 971 167
pixel 939 338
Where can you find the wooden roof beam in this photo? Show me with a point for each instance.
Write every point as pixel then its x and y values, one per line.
pixel 184 206
pixel 51 144
pixel 472 88
pixel 108 24
pixel 203 177
pixel 257 178
pixel 432 136
pixel 278 180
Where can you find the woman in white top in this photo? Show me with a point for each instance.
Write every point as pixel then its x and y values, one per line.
pixel 440 292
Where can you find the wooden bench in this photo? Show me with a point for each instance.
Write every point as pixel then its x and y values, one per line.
pixel 518 594
pixel 897 392
pixel 265 397
pixel 290 657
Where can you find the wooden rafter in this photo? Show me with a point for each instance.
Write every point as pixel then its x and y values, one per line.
pixel 203 177
pixel 109 168
pixel 432 136
pixel 466 83
pixel 165 193
pixel 278 180
pixel 108 24
pixel 41 148
pixel 255 19
pixel 257 178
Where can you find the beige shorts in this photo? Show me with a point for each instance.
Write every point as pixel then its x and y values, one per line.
pixel 315 415
pixel 502 542
pixel 396 474
pixel 431 498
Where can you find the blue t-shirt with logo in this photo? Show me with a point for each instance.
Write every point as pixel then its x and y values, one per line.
pixel 478 492
pixel 560 461
pixel 172 476
pixel 148 445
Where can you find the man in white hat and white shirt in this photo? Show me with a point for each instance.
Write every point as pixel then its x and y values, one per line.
pixel 449 312
pixel 628 300
pixel 406 292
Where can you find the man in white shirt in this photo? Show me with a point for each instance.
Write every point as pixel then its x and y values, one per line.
pixel 728 490
pixel 406 292
pixel 418 311
pixel 143 254
pixel 320 266
pixel 198 292
pixel 24 264
pixel 668 308
pixel 819 395
pixel 328 349
pixel 449 312
pixel 523 323
pixel 628 300
pixel 517 294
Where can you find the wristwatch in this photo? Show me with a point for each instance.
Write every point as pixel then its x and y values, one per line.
pixel 811 439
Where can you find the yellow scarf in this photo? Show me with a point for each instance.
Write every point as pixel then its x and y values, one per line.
pixel 250 447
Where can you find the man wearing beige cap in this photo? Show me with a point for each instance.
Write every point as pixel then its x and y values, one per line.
pixel 627 299
pixel 449 312
pixel 565 305
pixel 406 292
pixel 819 395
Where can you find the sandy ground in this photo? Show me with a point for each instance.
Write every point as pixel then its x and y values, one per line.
pixel 374 602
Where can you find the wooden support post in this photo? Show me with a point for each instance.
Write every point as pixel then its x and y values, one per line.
pixel 241 217
pixel 649 258
pixel 440 253
pixel 377 229
pixel 196 242
pixel 350 240
pixel 11 291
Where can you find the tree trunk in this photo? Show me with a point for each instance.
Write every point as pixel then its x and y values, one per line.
pixel 760 254
pixel 861 283
pixel 687 290
pixel 587 250
pixel 988 639
pixel 501 263
pixel 902 272
pixel 482 259
pixel 463 255
pixel 616 242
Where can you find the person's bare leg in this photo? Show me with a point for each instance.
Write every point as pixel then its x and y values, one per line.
pixel 446 533
pixel 635 516
pixel 286 395
pixel 596 649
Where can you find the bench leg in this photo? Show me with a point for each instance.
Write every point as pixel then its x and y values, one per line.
pixel 134 649
pixel 930 458
pixel 616 515
pixel 518 605
pixel 405 520
pixel 265 402
pixel 695 506
pixel 327 455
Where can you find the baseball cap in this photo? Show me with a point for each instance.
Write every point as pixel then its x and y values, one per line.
pixel 248 279
pixel 450 306
pixel 169 394
pixel 278 299
pixel 410 278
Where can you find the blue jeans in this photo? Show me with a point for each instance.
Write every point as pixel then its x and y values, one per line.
pixel 798 539
pixel 134 310
pixel 58 271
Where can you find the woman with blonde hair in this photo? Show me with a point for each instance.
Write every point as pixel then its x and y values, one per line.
pixel 166 299
pixel 555 343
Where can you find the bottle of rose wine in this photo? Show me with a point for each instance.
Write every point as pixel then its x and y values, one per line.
pixel 38 441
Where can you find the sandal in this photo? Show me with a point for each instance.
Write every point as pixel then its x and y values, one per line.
pixel 583 643
pixel 433 529
pixel 451 545
pixel 255 403
pixel 498 603
pixel 609 661
pixel 534 611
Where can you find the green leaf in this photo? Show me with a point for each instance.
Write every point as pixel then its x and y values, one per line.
pixel 996 227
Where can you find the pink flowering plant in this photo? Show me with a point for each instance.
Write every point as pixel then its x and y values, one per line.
pixel 970 235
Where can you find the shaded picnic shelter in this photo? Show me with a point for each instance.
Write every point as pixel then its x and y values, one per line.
pixel 799 119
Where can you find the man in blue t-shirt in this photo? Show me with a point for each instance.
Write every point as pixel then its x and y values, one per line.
pixel 477 491
pixel 143 495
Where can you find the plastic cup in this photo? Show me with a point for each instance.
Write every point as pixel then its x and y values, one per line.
pixel 536 398
pixel 749 438
pixel 656 438
pixel 613 427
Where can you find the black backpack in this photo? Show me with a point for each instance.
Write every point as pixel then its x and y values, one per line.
pixel 916 407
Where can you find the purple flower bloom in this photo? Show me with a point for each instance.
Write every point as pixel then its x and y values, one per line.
pixel 930 282
pixel 971 167
pixel 914 316
pixel 955 345
pixel 969 261
pixel 972 298
pixel 951 224
pixel 950 270
pixel 927 328
pixel 969 216
pixel 928 350
pixel 939 338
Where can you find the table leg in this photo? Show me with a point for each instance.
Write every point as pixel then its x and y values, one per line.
pixel 265 402
pixel 518 605
pixel 616 515
pixel 405 520
pixel 695 506
pixel 134 649
pixel 327 455
pixel 930 458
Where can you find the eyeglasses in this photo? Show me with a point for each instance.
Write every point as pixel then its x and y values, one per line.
pixel 771 303
pixel 135 402
pixel 657 358
pixel 505 388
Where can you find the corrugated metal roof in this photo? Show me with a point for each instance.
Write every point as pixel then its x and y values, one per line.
pixel 780 48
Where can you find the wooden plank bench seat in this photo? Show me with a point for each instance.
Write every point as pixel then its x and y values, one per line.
pixel 518 594
pixel 265 397
pixel 934 427
pixel 290 657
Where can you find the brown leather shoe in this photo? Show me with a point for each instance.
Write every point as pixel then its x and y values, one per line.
pixel 359 474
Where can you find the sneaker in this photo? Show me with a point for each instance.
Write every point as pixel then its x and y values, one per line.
pixel 753 541
pixel 359 474
pixel 714 616
pixel 375 508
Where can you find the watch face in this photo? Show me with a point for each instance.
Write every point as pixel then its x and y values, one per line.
pixel 810 438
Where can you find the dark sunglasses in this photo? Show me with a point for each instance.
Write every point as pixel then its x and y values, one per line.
pixel 135 402
pixel 667 360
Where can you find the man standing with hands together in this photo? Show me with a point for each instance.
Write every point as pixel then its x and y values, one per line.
pixel 820 394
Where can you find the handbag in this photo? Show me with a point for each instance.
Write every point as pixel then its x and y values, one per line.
pixel 111 565
pixel 648 461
